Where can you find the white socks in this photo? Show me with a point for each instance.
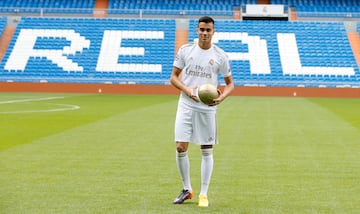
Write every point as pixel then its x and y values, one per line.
pixel 207 163
pixel 182 161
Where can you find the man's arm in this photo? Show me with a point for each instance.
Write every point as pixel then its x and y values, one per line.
pixel 177 83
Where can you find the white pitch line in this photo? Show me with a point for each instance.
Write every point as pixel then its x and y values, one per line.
pixel 29 100
pixel 67 107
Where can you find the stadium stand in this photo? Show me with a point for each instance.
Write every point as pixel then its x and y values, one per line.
pixel 48 6
pixel 56 50
pixel 313 8
pixel 309 54
pixel 262 53
pixel 133 50
pixel 2 24
pixel 3 21
pixel 327 8
pixel 174 7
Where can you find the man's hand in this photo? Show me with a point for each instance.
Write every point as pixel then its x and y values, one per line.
pixel 190 92
pixel 218 100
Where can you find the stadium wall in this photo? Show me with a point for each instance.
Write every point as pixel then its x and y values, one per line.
pixel 170 90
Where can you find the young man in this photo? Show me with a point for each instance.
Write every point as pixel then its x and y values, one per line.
pixel 195 64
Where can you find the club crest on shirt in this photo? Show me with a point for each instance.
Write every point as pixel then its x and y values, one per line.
pixel 211 62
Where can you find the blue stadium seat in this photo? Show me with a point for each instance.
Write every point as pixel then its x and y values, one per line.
pixel 324 8
pixel 53 6
pixel 177 7
pixel 87 37
pixel 2 25
pixel 321 55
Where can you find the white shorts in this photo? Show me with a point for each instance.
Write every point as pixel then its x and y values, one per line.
pixel 195 126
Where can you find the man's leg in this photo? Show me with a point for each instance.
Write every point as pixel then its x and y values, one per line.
pixel 207 163
pixel 183 164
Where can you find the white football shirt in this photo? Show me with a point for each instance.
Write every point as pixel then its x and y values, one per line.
pixel 200 66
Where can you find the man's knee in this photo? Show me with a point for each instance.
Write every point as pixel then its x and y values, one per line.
pixel 181 146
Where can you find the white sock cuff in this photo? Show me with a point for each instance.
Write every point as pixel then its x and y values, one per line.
pixel 181 154
pixel 207 152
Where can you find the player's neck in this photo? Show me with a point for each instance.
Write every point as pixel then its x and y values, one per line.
pixel 204 45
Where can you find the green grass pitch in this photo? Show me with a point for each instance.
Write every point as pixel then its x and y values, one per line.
pixel 98 153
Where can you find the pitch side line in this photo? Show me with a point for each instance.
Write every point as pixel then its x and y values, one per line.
pixel 29 100
pixel 65 107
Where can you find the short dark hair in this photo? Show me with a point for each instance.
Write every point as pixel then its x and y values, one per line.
pixel 206 19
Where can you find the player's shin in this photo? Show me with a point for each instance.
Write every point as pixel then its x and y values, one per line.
pixel 206 169
pixel 183 163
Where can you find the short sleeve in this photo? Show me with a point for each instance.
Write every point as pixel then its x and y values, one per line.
pixel 179 59
pixel 225 69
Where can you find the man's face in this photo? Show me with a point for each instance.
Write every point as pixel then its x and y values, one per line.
pixel 205 31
